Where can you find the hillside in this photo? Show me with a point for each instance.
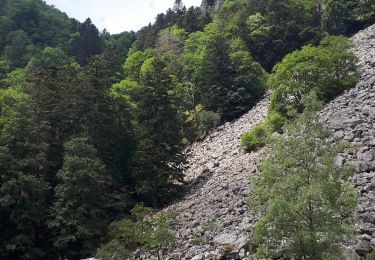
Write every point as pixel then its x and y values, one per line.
pixel 116 145
pixel 351 117
pixel 213 214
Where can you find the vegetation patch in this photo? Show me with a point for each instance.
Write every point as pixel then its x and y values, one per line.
pixel 255 138
pixel 303 197
pixel 197 241
pixel 142 231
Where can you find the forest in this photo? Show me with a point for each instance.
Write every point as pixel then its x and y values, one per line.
pixel 92 125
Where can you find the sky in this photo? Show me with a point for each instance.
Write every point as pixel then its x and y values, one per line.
pixel 117 15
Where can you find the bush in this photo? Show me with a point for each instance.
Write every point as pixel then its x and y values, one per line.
pixel 199 123
pixel 197 241
pixel 275 121
pixel 142 231
pixel 207 120
pixel 255 138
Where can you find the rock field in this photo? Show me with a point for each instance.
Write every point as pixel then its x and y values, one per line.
pixel 212 221
pixel 214 212
pixel 352 118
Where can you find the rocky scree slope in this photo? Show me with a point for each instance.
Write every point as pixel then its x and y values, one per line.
pixel 352 118
pixel 213 221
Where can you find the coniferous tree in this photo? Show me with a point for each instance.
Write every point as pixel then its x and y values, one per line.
pixel 86 42
pixel 47 96
pixel 157 158
pixel 78 214
pixel 24 191
pixel 109 128
pixel 19 48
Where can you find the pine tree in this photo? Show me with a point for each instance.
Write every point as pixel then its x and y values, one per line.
pixel 157 158
pixel 78 214
pixel 86 42
pixel 107 125
pixel 24 192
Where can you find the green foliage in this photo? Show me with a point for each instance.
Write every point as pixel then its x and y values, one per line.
pixel 327 69
pixel 206 121
pixel 197 241
pixel 15 78
pixel 19 49
pixel 184 74
pixel 29 26
pixel 86 42
pixel 258 27
pixel 158 132
pixel 226 80
pixel 23 189
pixel 171 39
pixel 141 231
pixel 305 200
pixel 371 256
pixel 23 205
pixel 78 214
pixel 49 58
pixel 4 68
pixel 12 100
pixel 191 20
pixel 199 122
pixel 134 62
pixel 255 138
pixel 275 121
pixel 120 44
pixel 346 17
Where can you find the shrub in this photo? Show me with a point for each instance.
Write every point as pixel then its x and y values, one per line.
pixel 199 123
pixel 142 231
pixel 207 120
pixel 255 138
pixel 275 121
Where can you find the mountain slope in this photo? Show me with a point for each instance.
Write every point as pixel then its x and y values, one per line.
pixel 352 117
pixel 214 212
pixel 213 222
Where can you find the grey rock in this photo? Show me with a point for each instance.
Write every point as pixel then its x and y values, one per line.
pixel 350 254
pixel 363 247
pixel 192 252
pixel 367 228
pixel 225 239
pixel 200 256
pixel 369 217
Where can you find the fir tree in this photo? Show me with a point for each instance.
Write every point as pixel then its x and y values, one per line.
pixel 157 158
pixel 78 214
